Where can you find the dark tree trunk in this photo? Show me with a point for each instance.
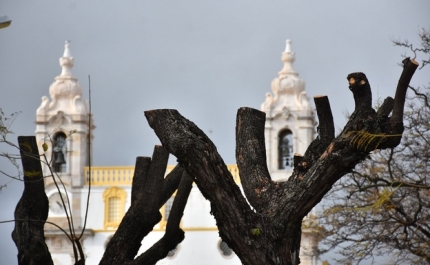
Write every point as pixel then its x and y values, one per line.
pixel 32 209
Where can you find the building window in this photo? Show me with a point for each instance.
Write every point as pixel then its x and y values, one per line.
pixel 285 149
pixel 114 209
pixel 114 200
pixel 224 249
pixel 59 152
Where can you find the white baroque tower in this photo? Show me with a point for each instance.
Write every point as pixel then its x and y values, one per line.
pixel 62 123
pixel 290 121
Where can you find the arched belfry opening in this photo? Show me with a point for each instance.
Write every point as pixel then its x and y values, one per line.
pixel 59 152
pixel 285 149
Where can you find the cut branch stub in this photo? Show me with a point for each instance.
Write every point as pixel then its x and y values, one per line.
pixel 319 144
pixel 174 234
pixel 139 178
pixel 251 157
pixel 360 87
pixel 386 107
pixel 143 213
pixel 154 182
pixel 383 111
pixel 409 67
pixel 394 125
pixel 171 183
pixel 325 119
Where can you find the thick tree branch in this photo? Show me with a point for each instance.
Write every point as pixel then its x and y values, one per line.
pixel 29 235
pixel 394 125
pixel 197 153
pixel 387 106
pixel 139 178
pixel 360 88
pixel 325 118
pixel 154 183
pixel 409 67
pixel 171 183
pixel 251 157
pixel 318 146
pixel 174 234
pixel 143 213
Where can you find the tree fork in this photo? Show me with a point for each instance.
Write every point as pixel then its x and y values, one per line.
pixel 149 193
pixel 236 221
pixel 174 234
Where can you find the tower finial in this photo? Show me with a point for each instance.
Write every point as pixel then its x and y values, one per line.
pixel 288 57
pixel 288 46
pixel 67 49
pixel 66 62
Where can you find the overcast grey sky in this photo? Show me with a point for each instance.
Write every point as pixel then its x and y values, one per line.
pixel 204 58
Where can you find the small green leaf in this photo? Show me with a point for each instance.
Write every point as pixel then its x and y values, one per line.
pixel 45 147
pixel 256 231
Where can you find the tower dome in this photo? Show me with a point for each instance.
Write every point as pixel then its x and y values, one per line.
pixel 288 81
pixel 288 88
pixel 65 91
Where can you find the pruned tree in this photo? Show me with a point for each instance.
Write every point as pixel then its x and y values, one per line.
pixel 383 207
pixel 268 229
pixel 264 227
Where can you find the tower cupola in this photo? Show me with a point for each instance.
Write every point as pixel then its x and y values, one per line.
pixel 62 122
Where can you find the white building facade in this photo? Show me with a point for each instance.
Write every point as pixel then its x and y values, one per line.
pixel 64 123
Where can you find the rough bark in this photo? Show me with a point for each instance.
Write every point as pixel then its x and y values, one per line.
pixel 201 160
pixel 149 192
pixel 270 233
pixel 174 234
pixel 32 209
pixel 318 146
pixel 251 157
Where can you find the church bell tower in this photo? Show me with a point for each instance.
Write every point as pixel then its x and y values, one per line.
pixel 63 126
pixel 290 121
